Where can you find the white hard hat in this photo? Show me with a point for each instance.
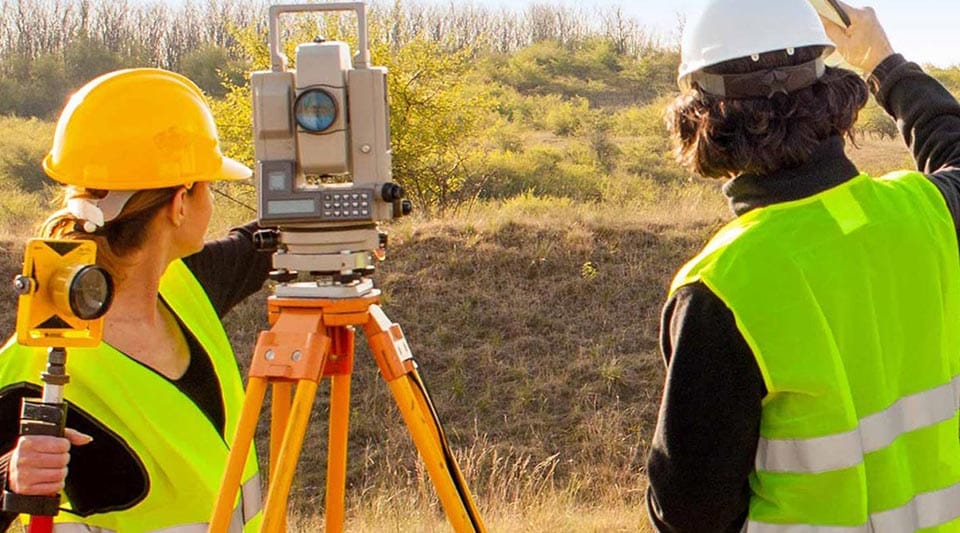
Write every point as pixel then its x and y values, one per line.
pixel 731 29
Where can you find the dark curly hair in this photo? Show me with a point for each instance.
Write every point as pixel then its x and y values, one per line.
pixel 720 137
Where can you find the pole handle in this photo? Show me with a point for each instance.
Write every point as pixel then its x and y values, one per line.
pixel 38 418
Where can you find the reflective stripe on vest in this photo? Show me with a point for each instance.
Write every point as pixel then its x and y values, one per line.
pixel 874 432
pixel 929 509
pixel 251 501
pixel 849 301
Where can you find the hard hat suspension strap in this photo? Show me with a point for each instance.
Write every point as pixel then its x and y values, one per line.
pixel 759 84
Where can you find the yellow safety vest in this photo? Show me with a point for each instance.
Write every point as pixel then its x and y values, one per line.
pixel 850 303
pixel 183 453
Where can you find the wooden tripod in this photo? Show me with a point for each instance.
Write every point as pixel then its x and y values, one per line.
pixel 313 338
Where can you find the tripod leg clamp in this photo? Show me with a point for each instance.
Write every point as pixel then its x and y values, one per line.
pixel 389 347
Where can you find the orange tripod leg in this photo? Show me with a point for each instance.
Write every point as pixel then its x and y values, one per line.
pixel 247 426
pixel 337 453
pixel 312 338
pixel 398 368
pixel 295 349
pixel 339 368
pixel 289 453
pixel 279 415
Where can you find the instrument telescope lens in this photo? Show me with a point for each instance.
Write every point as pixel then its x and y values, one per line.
pixel 315 110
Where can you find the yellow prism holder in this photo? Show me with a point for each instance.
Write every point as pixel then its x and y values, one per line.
pixel 63 294
pixel 63 298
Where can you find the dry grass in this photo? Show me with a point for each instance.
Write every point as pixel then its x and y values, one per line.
pixel 11 261
pixel 877 156
pixel 20 214
pixel 535 323
pixel 552 513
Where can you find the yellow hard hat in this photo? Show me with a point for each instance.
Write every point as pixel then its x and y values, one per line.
pixel 138 129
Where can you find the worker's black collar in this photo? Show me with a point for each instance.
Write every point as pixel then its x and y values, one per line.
pixel 827 167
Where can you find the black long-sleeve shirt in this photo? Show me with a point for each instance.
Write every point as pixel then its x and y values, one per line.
pixel 104 474
pixel 705 443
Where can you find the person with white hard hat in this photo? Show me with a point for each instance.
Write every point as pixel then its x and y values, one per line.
pixel 812 347
pixel 151 409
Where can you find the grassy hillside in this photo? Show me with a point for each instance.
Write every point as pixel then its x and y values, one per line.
pixel 535 323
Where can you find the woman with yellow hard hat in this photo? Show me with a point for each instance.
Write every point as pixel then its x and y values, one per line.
pixel 151 408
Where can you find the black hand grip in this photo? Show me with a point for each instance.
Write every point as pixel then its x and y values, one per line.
pixel 39 418
pixel 31 505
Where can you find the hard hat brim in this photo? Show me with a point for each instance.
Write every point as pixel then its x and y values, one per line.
pixel 233 170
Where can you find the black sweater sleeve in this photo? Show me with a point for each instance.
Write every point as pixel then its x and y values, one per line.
pixel 230 269
pixel 706 437
pixel 928 117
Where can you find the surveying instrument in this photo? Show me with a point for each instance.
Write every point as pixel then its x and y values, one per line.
pixel 314 129
pixel 63 296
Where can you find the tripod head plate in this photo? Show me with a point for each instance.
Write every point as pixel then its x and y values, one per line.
pixel 338 291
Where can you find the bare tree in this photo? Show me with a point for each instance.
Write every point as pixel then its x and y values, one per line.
pixel 156 34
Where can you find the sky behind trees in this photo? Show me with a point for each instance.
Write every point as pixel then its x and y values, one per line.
pixel 925 31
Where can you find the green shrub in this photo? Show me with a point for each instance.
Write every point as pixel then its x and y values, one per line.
pixel 949 77
pixel 32 87
pixel 511 105
pixel 561 116
pixel 543 171
pixel 653 74
pixel 506 136
pixel 605 151
pixel 86 58
pixel 514 173
pixel 873 120
pixel 650 157
pixel 574 180
pixel 213 70
pixel 642 121
pixel 531 68
pixel 24 142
